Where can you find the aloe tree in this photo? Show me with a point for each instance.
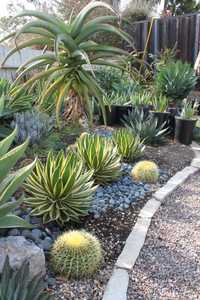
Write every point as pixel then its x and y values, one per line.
pixel 69 67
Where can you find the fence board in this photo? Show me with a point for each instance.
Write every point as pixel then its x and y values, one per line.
pixel 167 31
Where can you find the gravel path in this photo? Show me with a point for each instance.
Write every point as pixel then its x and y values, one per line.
pixel 168 267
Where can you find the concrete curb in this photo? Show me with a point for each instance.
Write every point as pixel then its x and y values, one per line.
pixel 117 286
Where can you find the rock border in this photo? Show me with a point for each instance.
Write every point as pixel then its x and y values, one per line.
pixel 118 284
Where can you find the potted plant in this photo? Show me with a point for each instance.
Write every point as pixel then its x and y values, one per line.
pixel 160 106
pixel 116 107
pixel 142 101
pixel 185 124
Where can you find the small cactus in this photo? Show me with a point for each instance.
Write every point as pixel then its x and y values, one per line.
pixel 76 254
pixel 146 171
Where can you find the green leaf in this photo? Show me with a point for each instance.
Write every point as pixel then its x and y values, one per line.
pixel 12 221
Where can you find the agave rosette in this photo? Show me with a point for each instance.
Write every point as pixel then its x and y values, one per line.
pixel 60 190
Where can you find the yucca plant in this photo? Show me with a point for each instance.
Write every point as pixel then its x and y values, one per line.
pixel 11 181
pixel 17 285
pixel 146 127
pixel 73 48
pixel 176 80
pixel 129 146
pixel 100 156
pixel 60 190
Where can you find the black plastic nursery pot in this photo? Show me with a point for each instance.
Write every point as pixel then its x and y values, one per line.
pixel 184 130
pixel 121 112
pixel 172 123
pixel 162 117
pixel 110 115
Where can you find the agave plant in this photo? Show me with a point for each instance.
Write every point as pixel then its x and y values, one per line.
pixel 11 181
pixel 141 98
pixel 13 99
pixel 129 146
pixel 160 103
pixel 100 156
pixel 73 48
pixel 146 127
pixel 60 190
pixel 176 80
pixel 18 285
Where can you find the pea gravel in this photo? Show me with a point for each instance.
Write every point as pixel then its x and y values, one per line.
pixel 168 267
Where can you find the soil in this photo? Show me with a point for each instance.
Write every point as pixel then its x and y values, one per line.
pixel 113 228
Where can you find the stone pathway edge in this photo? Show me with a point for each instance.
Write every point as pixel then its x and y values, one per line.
pixel 117 286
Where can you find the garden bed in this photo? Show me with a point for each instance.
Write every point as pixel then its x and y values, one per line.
pixel 114 226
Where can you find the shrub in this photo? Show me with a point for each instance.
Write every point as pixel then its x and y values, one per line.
pixel 146 127
pixel 76 254
pixel 128 145
pixel 176 80
pixel 59 190
pixel 11 181
pixel 99 156
pixel 146 171
pixel 33 124
pixel 18 285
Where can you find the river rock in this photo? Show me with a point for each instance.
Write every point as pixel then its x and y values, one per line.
pixel 18 249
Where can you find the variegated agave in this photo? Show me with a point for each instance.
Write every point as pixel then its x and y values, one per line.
pixel 74 48
pixel 128 144
pixel 100 156
pixel 60 190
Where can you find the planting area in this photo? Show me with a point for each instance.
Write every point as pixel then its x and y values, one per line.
pixel 88 132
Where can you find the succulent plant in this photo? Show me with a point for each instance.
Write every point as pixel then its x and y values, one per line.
pixel 13 99
pixel 176 80
pixel 76 254
pixel 60 190
pixel 160 103
pixel 33 124
pixel 11 181
pixel 129 145
pixel 146 127
pixel 145 171
pixel 99 156
pixel 17 285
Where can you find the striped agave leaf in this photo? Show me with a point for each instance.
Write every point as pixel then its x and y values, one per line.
pixel 60 190
pixel 129 145
pixel 100 156
pixel 73 48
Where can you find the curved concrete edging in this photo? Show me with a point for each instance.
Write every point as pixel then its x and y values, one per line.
pixel 117 286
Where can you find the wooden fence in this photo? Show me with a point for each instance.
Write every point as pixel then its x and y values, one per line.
pixel 168 31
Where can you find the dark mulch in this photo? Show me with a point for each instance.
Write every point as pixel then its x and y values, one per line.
pixel 113 228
